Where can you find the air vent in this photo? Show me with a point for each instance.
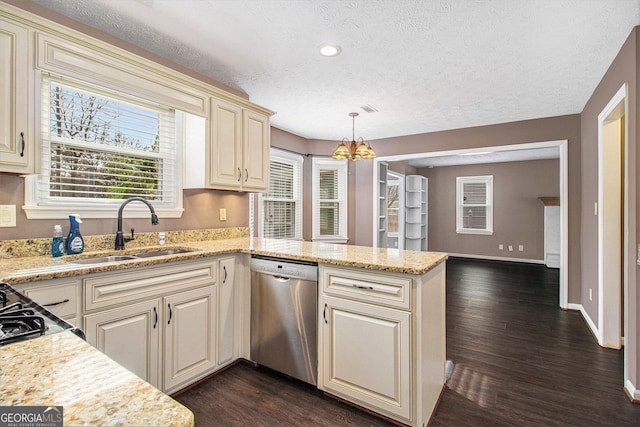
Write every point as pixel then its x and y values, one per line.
pixel 369 109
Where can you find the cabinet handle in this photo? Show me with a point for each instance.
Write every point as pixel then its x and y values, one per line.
pixel 170 314
pixel 324 313
pixel 55 303
pixel 362 287
pixel 224 277
pixel 239 174
pixel 246 174
pixel 155 312
pixel 22 142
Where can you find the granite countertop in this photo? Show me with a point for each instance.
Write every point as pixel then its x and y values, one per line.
pixel 27 269
pixel 63 370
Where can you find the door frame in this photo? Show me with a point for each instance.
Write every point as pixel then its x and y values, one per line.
pixel 563 146
pixel 609 331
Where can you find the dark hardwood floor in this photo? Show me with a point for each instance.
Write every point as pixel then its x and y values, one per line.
pixel 518 361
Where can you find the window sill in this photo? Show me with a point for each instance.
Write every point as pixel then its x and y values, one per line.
pixel 98 212
pixel 480 232
pixel 335 239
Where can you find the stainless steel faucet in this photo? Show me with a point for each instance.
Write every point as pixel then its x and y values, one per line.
pixel 120 239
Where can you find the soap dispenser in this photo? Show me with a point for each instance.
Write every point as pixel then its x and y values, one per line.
pixel 75 243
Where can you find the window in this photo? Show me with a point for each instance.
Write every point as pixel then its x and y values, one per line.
pixel 474 199
pixel 280 209
pixel 100 147
pixel 330 200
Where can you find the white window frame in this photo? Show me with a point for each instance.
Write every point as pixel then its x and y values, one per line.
pixel 39 207
pixel 487 180
pixel 341 166
pixel 298 162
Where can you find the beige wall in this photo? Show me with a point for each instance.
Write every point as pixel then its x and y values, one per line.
pixel 624 69
pixel 518 213
pixel 200 211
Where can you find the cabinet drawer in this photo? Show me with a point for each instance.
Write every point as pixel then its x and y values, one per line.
pixel 61 299
pixel 140 283
pixel 367 286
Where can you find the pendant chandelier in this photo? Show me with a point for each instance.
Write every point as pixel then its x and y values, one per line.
pixel 353 150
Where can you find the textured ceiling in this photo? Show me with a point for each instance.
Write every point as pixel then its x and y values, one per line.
pixel 425 65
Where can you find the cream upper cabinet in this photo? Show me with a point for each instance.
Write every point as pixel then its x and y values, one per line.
pixel 255 134
pixel 237 151
pixel 225 145
pixel 16 107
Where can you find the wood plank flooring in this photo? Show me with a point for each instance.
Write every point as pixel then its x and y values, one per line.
pixel 519 361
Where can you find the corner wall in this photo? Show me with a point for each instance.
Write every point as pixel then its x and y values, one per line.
pixel 623 70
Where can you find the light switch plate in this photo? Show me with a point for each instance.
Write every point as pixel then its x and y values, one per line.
pixel 223 214
pixel 7 215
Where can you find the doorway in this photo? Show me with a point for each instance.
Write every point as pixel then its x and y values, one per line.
pixel 611 220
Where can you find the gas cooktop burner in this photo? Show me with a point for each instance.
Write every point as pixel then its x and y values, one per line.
pixel 17 322
pixel 21 318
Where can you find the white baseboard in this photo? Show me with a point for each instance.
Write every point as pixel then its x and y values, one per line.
pixel 587 319
pixel 498 258
pixel 633 392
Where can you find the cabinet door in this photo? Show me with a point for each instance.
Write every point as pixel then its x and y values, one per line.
pixel 365 355
pixel 255 175
pixel 190 335
pixel 225 146
pixel 130 336
pixel 16 151
pixel 226 312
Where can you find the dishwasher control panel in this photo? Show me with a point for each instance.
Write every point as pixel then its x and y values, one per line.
pixel 284 268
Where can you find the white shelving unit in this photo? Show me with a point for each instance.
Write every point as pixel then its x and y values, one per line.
pixel 416 213
pixel 382 204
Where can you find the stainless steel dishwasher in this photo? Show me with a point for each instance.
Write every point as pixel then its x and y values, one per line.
pixel 284 304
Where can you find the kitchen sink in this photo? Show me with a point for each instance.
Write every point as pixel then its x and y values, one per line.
pixel 162 252
pixel 103 259
pixel 139 255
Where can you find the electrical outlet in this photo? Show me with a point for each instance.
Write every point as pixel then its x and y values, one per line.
pixel 501 248
pixel 510 248
pixel 590 294
pixel 7 215
pixel 521 248
pixel 595 208
pixel 223 214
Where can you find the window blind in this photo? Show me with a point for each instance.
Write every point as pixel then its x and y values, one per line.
pixel 281 206
pixel 474 204
pixel 330 199
pixel 99 145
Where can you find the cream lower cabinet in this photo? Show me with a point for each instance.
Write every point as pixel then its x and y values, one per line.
pixel 365 355
pixel 190 336
pixel 227 341
pixel 129 335
pixel 60 296
pixel 160 322
pixel 382 340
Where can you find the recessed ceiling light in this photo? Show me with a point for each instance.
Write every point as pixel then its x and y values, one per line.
pixel 330 50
